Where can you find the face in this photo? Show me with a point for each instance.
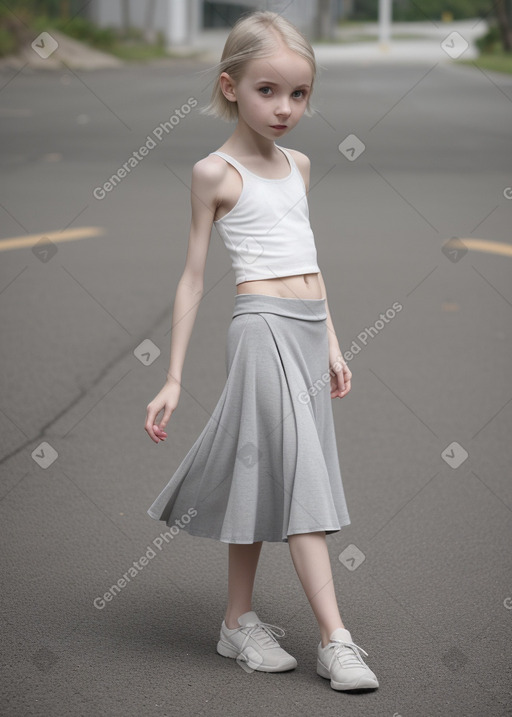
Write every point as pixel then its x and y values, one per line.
pixel 272 93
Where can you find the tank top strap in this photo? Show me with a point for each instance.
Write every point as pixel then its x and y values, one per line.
pixel 287 154
pixel 246 173
pixel 231 160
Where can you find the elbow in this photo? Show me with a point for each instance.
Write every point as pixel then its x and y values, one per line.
pixel 193 283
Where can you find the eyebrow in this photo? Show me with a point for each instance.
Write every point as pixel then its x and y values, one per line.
pixel 269 82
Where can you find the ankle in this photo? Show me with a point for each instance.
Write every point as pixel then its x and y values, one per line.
pixel 231 624
pixel 231 618
pixel 326 633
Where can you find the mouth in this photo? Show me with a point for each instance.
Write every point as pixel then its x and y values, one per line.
pixel 278 126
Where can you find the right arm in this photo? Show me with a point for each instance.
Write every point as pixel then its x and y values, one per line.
pixel 206 177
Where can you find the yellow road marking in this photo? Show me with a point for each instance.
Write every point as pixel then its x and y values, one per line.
pixel 66 235
pixel 492 247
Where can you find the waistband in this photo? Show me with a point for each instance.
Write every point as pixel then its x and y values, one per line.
pixel 306 309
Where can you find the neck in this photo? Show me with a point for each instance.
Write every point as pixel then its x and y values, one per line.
pixel 246 142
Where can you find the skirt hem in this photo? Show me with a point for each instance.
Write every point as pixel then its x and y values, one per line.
pixel 247 541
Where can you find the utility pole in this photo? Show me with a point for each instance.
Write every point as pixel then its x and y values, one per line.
pixel 177 24
pixel 385 14
pixel 323 29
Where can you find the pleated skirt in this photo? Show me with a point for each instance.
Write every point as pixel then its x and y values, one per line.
pixel 265 465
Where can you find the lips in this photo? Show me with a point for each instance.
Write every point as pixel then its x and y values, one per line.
pixel 278 126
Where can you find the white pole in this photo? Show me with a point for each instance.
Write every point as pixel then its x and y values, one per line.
pixel 177 22
pixel 384 24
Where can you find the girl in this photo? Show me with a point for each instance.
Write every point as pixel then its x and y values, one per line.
pixel 265 467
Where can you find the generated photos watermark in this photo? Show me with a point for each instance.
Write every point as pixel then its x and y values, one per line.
pixel 163 129
pixel 363 337
pixel 101 601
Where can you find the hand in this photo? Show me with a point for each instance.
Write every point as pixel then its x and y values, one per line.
pixel 166 400
pixel 340 373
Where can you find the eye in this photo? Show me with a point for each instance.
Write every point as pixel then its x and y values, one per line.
pixel 264 88
pixel 303 93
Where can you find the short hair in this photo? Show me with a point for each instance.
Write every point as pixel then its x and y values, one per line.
pixel 251 38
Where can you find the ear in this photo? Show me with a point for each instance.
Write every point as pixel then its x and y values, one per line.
pixel 227 86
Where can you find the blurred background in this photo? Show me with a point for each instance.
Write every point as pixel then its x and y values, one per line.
pixel 141 29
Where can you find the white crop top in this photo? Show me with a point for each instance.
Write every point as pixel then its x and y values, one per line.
pixel 267 233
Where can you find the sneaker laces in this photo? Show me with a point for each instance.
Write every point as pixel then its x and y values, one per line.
pixel 348 659
pixel 264 632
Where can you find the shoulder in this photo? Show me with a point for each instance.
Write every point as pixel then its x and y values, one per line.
pixel 208 175
pixel 302 160
pixel 303 164
pixel 209 169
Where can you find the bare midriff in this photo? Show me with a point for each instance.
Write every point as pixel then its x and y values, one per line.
pixel 300 286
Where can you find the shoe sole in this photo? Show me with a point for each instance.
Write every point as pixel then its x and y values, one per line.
pixel 227 650
pixel 363 683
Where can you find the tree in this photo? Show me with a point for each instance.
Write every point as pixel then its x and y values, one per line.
pixel 149 21
pixel 503 12
pixel 324 21
pixel 125 14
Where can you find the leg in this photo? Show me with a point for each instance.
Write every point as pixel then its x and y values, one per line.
pixel 311 560
pixel 243 561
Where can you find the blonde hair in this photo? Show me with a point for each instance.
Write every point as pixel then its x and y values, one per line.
pixel 251 38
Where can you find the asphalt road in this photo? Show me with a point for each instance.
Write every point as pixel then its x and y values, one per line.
pixel 423 437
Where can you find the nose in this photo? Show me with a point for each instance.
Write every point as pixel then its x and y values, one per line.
pixel 283 109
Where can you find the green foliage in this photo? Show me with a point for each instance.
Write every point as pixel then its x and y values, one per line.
pixel 7 15
pixel 365 10
pixel 21 18
pixel 49 8
pixel 82 29
pixel 491 41
pixel 498 61
pixel 13 29
pixel 7 42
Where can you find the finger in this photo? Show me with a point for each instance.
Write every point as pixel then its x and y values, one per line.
pixel 150 432
pixel 150 416
pixel 347 389
pixel 162 435
pixel 347 375
pixel 150 425
pixel 165 418
pixel 334 386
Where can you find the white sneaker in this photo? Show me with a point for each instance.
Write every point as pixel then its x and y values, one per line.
pixel 341 662
pixel 254 646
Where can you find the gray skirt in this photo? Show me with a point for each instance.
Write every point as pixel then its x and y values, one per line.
pixel 266 464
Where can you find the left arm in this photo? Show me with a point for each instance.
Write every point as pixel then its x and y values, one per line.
pixel 340 372
pixel 331 333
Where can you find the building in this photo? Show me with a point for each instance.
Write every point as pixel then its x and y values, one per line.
pixel 183 21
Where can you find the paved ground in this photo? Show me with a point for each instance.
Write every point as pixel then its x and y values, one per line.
pixel 424 435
